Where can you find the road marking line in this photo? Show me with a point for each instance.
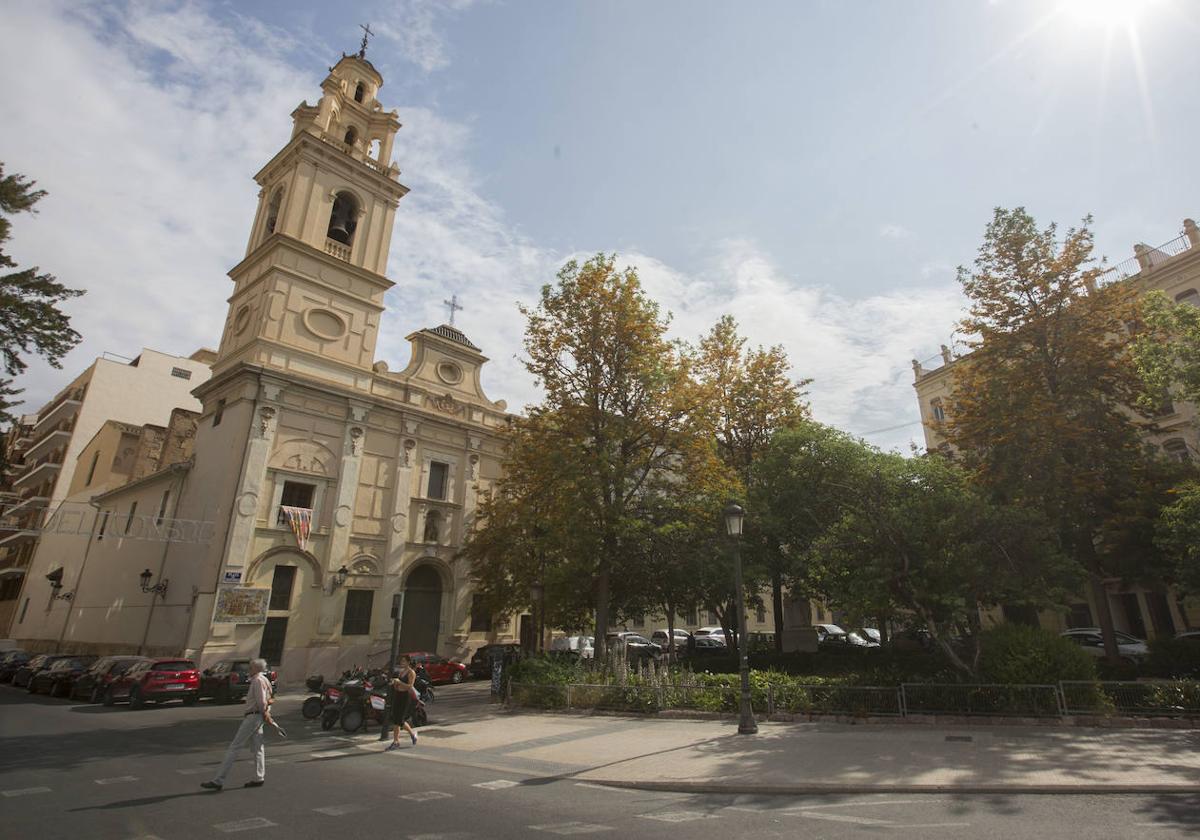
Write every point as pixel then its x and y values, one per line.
pixel 426 795
pixel 929 825
pixel 846 818
pixel 244 825
pixel 193 771
pixel 329 754
pixel 24 791
pixel 606 787
pixel 864 804
pixel 116 780
pixel 677 816
pixel 499 784
pixel 339 810
pixel 572 828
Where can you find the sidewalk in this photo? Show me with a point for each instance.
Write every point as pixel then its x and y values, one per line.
pixel 794 758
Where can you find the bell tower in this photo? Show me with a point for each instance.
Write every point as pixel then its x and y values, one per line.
pixel 309 293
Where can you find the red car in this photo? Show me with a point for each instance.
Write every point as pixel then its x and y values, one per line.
pixel 439 668
pixel 158 680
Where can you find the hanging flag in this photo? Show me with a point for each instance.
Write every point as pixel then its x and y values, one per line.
pixel 301 521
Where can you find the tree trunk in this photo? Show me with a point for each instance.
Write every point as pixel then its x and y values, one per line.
pixel 1087 551
pixel 884 637
pixel 777 606
pixel 670 634
pixel 601 646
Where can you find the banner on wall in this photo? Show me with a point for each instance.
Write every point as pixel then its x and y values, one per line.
pixel 301 521
pixel 242 605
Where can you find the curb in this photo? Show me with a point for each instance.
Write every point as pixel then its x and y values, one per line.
pixel 829 789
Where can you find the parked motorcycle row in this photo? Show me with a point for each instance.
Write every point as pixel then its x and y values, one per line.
pixel 359 699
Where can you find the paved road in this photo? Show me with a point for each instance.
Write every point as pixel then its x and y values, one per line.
pixel 70 770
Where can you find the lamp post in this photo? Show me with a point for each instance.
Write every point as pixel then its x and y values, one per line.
pixel 734 517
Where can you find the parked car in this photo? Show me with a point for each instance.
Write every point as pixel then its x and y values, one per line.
pixel 35 665
pixel 439 668
pixel 636 645
pixel 159 680
pixel 870 634
pixel 662 639
pixel 58 678
pixel 481 660
pixel 10 662
pixel 709 646
pixel 93 682
pixel 229 680
pixel 856 638
pixel 1190 635
pixel 831 636
pixel 715 632
pixel 1092 641
pixel 582 646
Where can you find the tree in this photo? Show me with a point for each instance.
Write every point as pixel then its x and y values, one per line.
pixel 30 320
pixel 1167 353
pixel 917 536
pixel 1178 536
pixel 1041 409
pixel 800 485
pixel 620 410
pixel 751 396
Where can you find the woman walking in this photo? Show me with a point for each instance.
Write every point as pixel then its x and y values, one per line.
pixel 402 691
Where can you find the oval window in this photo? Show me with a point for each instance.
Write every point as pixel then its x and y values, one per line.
pixel 324 324
pixel 449 373
pixel 241 320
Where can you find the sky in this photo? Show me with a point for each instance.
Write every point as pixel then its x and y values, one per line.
pixel 816 169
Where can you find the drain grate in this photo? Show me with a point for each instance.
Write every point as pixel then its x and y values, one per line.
pixel 965 739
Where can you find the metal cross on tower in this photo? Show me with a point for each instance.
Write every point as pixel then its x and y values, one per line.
pixel 367 33
pixel 454 306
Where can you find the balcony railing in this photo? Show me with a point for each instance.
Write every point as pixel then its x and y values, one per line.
pixel 72 400
pixel 1148 258
pixel 337 249
pixel 55 437
pixel 37 470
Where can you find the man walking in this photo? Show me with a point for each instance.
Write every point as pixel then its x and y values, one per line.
pixel 256 713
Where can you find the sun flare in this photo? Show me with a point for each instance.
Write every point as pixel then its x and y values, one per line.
pixel 1106 13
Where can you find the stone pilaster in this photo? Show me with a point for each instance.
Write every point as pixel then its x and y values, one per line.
pixel 343 512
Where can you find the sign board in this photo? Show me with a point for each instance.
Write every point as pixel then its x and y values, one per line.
pixel 233 576
pixel 242 605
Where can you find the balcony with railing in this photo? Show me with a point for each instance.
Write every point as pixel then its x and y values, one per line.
pixel 385 169
pixel 337 249
pixel 39 470
pixel 52 439
pixel 1146 258
pixel 62 408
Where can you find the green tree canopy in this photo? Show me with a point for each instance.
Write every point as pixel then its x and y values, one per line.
pixel 1041 409
pixel 30 318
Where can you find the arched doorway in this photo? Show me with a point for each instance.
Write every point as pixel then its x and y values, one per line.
pixel 422 610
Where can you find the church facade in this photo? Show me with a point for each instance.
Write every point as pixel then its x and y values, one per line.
pixel 326 484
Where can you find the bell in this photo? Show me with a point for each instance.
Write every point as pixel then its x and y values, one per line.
pixel 338 231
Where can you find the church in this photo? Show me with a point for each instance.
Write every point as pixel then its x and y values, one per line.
pixel 326 483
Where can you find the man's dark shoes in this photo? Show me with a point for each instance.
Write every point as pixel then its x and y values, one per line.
pixel 211 786
pixel 255 783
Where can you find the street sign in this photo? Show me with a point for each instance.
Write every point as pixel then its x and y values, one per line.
pixel 232 576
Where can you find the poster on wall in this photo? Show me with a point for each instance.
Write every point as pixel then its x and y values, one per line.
pixel 242 605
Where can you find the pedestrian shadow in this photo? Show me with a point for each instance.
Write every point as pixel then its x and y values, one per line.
pixel 137 803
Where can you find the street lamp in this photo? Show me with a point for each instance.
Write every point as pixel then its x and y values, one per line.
pixel 734 518
pixel 159 588
pixel 339 577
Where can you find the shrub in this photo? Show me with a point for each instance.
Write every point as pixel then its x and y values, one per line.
pixel 1177 659
pixel 1016 653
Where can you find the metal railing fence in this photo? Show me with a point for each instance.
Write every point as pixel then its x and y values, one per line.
pixel 1064 699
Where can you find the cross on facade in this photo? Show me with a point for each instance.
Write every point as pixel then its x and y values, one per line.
pixel 367 33
pixel 453 305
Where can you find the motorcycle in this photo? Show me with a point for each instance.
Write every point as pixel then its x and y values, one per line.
pixel 312 706
pixel 365 702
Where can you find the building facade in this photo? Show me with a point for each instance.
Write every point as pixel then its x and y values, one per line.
pixel 43 453
pixel 1174 269
pixel 323 486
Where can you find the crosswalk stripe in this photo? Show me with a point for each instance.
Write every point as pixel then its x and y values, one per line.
pixel 24 791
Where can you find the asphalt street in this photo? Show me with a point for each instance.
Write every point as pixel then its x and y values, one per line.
pixel 73 770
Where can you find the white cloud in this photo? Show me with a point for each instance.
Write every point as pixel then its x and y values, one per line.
pixel 413 26
pixel 148 126
pixel 892 230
